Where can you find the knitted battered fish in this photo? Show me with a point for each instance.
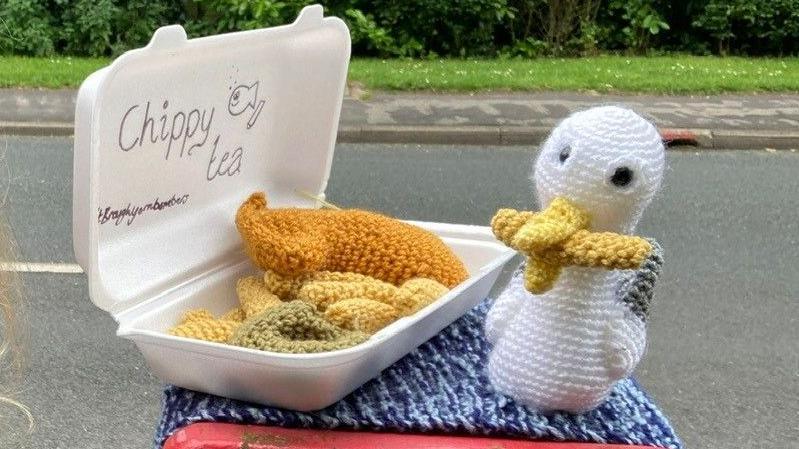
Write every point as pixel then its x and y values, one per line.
pixel 294 242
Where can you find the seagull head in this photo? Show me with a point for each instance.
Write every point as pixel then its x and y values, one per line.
pixel 608 160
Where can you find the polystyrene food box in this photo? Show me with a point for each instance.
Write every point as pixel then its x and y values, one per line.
pixel 169 140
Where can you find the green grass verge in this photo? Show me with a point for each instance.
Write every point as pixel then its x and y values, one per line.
pixel 661 74
pixel 46 72
pixel 666 74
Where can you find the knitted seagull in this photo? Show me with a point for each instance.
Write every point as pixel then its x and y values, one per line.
pixel 564 346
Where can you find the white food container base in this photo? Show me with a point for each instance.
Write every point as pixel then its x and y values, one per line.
pixel 169 140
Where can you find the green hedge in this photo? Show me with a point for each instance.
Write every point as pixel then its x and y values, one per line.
pixel 422 28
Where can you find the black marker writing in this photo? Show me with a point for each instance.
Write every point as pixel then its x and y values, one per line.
pixel 245 98
pixel 228 163
pixel 129 213
pixel 139 126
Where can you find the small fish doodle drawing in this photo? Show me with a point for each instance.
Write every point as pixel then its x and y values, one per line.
pixel 243 98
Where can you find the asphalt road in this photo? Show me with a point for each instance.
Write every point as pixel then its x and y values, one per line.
pixel 723 360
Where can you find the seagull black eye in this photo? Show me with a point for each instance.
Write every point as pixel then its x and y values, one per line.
pixel 564 154
pixel 622 177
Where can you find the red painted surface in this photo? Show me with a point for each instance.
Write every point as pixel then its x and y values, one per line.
pixel 237 436
pixel 678 136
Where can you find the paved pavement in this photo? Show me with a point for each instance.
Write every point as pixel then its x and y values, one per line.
pixel 546 109
pixel 722 360
pixel 720 121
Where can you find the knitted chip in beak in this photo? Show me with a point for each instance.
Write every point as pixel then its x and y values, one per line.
pixel 558 237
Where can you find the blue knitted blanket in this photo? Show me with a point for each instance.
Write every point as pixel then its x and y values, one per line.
pixel 442 386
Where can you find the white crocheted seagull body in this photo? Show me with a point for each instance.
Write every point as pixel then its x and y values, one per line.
pixel 565 349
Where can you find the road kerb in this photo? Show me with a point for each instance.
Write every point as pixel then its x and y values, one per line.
pixel 753 139
pixel 36 129
pixel 462 135
pixel 704 139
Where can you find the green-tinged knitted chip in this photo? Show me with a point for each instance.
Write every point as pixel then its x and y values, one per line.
pixel 294 327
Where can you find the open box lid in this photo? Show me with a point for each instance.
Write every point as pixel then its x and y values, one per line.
pixel 172 137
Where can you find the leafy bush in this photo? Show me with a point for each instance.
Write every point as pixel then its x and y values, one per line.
pixel 368 37
pixel 421 28
pixel 632 24
pixel 205 17
pixel 757 27
pixel 554 26
pixel 435 27
pixel 86 26
pixel 136 20
pixel 25 28
pixel 642 22
pixel 80 27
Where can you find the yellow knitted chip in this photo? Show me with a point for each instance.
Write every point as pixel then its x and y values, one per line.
pixel 349 301
pixel 236 314
pixel 540 276
pixel 557 237
pixel 254 296
pixel 202 325
pixel 326 288
pixel 361 314
pixel 287 288
pixel 197 315
pixel 283 286
pixel 324 293
pixel 417 293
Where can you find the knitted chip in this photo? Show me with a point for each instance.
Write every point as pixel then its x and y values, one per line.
pixel 202 325
pixel 294 327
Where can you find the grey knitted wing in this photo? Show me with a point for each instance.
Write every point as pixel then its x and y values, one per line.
pixel 637 289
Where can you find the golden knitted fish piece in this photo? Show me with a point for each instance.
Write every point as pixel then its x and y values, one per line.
pixel 558 237
pixel 297 242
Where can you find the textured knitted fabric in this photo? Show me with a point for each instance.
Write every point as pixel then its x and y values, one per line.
pixel 202 325
pixel 361 314
pixel 558 237
pixel 416 293
pixel 441 387
pixel 299 241
pixel 347 301
pixel 254 296
pixel 638 289
pixel 324 294
pixel 355 301
pixel 580 160
pixel 566 348
pixel 288 287
pixel 293 327
pixel 324 288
